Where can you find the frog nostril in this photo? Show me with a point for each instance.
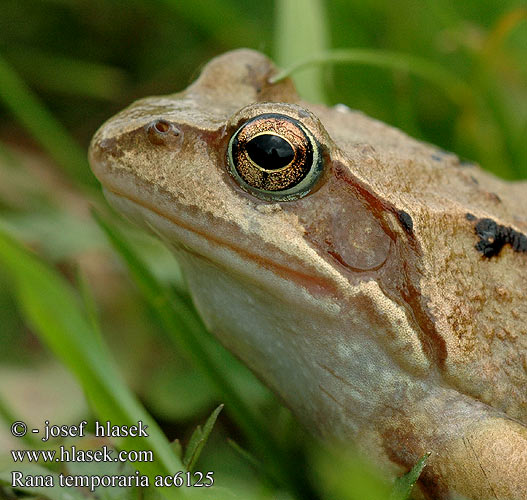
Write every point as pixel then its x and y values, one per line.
pixel 164 133
pixel 162 126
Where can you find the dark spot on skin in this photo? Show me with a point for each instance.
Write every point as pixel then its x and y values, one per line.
pixel 441 155
pixel 470 217
pixel 366 149
pixel 466 163
pixel 493 237
pixel 495 197
pixel 406 221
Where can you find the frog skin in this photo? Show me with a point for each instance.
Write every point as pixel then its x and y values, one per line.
pixel 382 297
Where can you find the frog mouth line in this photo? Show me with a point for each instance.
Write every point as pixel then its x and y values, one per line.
pixel 313 284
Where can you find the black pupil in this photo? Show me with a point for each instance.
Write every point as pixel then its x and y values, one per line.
pixel 270 151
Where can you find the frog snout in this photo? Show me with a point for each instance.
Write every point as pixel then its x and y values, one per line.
pixel 101 150
pixel 158 133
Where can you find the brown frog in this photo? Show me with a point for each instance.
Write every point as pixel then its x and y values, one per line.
pixel 375 283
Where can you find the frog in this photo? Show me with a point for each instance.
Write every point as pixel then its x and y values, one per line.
pixel 374 282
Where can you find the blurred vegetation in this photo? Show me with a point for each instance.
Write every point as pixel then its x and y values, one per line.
pixel 66 66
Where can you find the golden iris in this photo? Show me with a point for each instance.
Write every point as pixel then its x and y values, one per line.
pixel 271 154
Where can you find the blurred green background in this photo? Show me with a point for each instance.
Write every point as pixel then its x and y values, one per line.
pixel 67 65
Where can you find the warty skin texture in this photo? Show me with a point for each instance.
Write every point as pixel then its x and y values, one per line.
pixel 364 305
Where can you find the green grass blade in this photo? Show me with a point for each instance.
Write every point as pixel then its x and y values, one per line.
pixel 342 473
pixel 454 88
pixel 245 455
pixel 41 124
pixel 301 30
pixel 8 417
pixel 512 167
pixel 53 310
pixel 65 75
pixel 234 29
pixel 90 306
pixel 403 485
pixel 7 158
pixel 489 80
pixel 199 439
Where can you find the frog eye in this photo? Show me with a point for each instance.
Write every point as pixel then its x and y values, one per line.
pixel 274 157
